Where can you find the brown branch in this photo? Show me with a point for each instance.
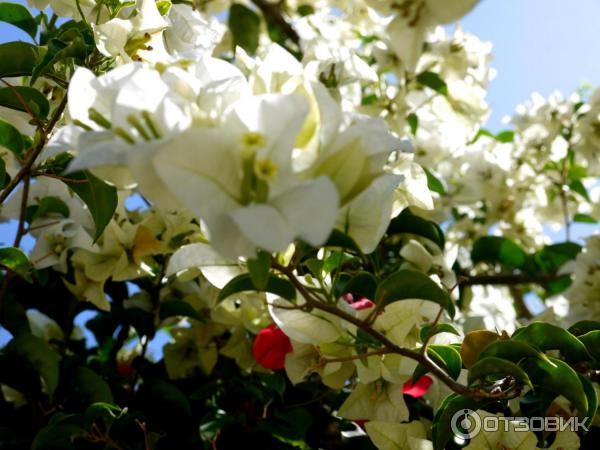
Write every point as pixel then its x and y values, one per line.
pixel 23 212
pixel 273 13
pixel 314 302
pixel 34 117
pixel 25 170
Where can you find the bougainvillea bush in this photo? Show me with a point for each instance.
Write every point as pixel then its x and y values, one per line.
pixel 283 224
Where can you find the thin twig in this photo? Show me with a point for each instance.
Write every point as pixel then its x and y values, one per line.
pixel 273 12
pixel 314 302
pixel 35 152
pixel 23 212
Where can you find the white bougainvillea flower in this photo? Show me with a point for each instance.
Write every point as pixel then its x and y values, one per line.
pixel 398 436
pixel 381 401
pixel 53 240
pixel 505 437
pixel 408 30
pixel 138 37
pixel 189 30
pixel 239 179
pixel 315 328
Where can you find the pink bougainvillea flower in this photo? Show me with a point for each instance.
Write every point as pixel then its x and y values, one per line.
pixel 270 347
pixel 358 303
pixel 419 388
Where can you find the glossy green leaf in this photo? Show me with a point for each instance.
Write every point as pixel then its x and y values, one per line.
pixel 559 378
pixel 407 222
pixel 551 257
pixel 17 261
pixel 40 355
pixel 258 268
pixel 432 80
pixel 429 330
pixel 410 284
pixel 243 282
pixel 19 16
pixel 11 138
pixel 497 249
pixel 60 432
pixel 474 343
pixel 583 327
pixel 17 59
pixel 592 397
pixel 173 308
pixel 244 25
pixel 362 284
pixel 492 365
pixel 48 206
pixel 341 240
pixel 591 340
pixel 17 97
pixel 442 421
pixel 511 350
pixel 100 197
pixel 59 50
pixel 545 336
pixel 449 356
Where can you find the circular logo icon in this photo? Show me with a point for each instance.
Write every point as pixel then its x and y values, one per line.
pixel 465 424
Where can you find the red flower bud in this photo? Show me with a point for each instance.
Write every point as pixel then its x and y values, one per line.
pixel 270 347
pixel 419 388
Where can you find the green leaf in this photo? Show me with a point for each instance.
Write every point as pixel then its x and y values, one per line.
pixel 336 260
pixel 4 178
pixel 13 98
pixel 546 337
pixel 17 59
pixel 172 308
pixel 559 378
pixel 410 284
pixel 49 205
pixel 243 282
pixel 441 426
pixel 16 260
pixel 432 80
pixel 259 269
pixel 583 327
pixel 244 25
pixel 59 50
pixel 341 240
pixel 363 284
pixel 577 186
pixel 305 9
pixel 413 123
pixel 11 138
pixel 407 222
pixel 592 397
pixel 433 183
pixel 591 340
pixel 511 350
pixel 429 330
pixel 60 432
pixel 474 343
pixel 40 355
pixel 91 387
pixel 552 257
pixel 505 136
pixel 100 197
pixel 19 16
pixel 497 249
pixel 502 137
pixel 448 356
pixel 584 218
pixel 496 366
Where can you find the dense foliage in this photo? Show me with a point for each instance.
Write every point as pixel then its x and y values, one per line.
pixel 257 224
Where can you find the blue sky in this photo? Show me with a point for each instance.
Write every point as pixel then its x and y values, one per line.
pixel 538 45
